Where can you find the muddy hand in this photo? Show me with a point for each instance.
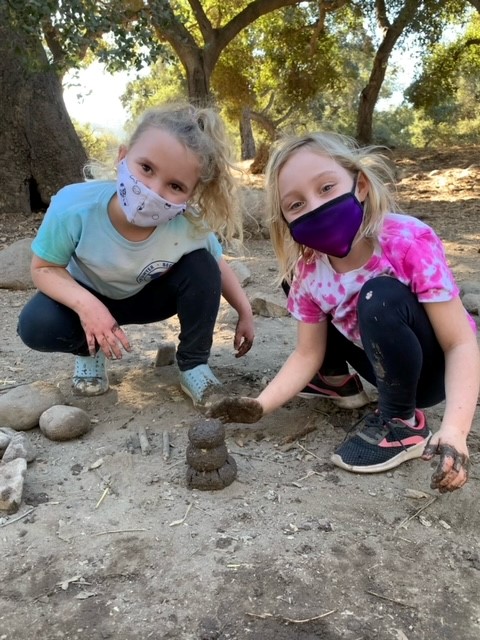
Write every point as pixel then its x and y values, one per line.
pixel 452 470
pixel 246 410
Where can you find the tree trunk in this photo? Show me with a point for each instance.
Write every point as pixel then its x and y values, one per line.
pixel 246 135
pixel 41 151
pixel 369 95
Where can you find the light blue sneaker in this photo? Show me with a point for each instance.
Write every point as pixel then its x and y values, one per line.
pixel 90 376
pixel 198 382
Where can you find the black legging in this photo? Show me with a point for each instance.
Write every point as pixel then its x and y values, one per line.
pixel 190 289
pixel 401 356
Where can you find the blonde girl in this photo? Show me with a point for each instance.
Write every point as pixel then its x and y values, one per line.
pixel 371 289
pixel 142 249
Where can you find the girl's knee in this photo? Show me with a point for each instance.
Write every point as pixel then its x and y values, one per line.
pixel 382 292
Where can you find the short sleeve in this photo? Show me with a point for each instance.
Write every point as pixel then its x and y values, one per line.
pixel 57 236
pixel 426 268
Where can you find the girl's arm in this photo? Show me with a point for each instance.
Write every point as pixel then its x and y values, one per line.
pixel 298 370
pixel 101 328
pixel 462 383
pixel 234 294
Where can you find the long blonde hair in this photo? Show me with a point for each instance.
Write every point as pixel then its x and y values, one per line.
pixel 345 151
pixel 201 130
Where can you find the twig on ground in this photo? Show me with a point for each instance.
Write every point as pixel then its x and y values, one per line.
pixel 309 427
pixel 309 452
pixel 12 520
pixel 263 616
pixel 104 533
pixel 418 512
pixel 182 520
pixel 103 496
pixel 403 604
pixel 144 443
pixel 166 445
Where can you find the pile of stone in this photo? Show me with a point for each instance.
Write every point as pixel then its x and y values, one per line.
pixel 39 404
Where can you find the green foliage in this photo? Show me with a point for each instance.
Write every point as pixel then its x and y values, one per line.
pixel 101 147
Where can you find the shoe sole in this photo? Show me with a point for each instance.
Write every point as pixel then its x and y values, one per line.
pixel 357 401
pixel 409 454
pixel 81 387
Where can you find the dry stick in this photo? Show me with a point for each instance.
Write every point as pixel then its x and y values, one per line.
pixel 425 506
pixel 299 434
pixel 166 445
pixel 263 616
pixel 12 520
pixel 104 533
pixel 403 604
pixel 144 443
pixel 103 496
pixel 310 452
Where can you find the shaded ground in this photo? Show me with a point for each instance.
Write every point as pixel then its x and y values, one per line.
pixel 114 545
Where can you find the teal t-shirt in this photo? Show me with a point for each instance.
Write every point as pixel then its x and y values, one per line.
pixel 77 233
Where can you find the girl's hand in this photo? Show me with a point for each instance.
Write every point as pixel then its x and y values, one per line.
pixel 452 470
pixel 244 335
pixel 247 410
pixel 102 329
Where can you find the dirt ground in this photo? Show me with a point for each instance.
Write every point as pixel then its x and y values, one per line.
pixel 112 543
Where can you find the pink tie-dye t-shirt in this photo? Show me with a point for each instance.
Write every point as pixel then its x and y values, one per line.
pixel 407 250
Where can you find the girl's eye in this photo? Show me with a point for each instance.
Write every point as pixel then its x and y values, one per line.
pixel 294 206
pixel 175 187
pixel 327 187
pixel 146 168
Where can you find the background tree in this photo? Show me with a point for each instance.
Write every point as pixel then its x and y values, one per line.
pixel 446 95
pixel 40 149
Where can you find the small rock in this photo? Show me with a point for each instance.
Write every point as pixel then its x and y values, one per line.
pixel 270 306
pixel 12 475
pixel 165 354
pixel 19 447
pixel 62 422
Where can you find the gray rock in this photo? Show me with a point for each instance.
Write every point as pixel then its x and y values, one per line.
pixel 242 272
pixel 21 408
pixel 12 476
pixel 471 302
pixel 19 447
pixel 15 265
pixel 62 422
pixel 269 306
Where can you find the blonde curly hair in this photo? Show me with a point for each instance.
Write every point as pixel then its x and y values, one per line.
pixel 201 130
pixel 345 151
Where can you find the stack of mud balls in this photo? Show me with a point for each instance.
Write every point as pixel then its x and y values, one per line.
pixel 210 466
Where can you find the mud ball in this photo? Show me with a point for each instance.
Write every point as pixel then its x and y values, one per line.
pixel 213 480
pixel 206 459
pixel 207 433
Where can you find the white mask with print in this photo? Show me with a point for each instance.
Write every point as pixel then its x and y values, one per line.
pixel 141 205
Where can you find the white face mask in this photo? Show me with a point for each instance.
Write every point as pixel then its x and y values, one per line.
pixel 141 205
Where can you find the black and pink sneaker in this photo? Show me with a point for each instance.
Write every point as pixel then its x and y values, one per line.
pixel 347 395
pixel 379 446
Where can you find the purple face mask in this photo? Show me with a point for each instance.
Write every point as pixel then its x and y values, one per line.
pixel 332 227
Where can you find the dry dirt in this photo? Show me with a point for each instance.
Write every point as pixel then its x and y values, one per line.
pixel 114 545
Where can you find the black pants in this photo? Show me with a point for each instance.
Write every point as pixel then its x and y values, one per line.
pixel 401 355
pixel 190 289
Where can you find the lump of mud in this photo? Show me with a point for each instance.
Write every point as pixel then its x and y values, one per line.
pixel 213 480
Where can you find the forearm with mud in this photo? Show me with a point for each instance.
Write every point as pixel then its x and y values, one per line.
pixel 462 381
pixel 297 371
pixel 59 285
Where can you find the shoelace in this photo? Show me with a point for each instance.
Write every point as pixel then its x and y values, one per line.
pixel 374 423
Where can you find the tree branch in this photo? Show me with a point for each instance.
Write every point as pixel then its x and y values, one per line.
pixel 201 17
